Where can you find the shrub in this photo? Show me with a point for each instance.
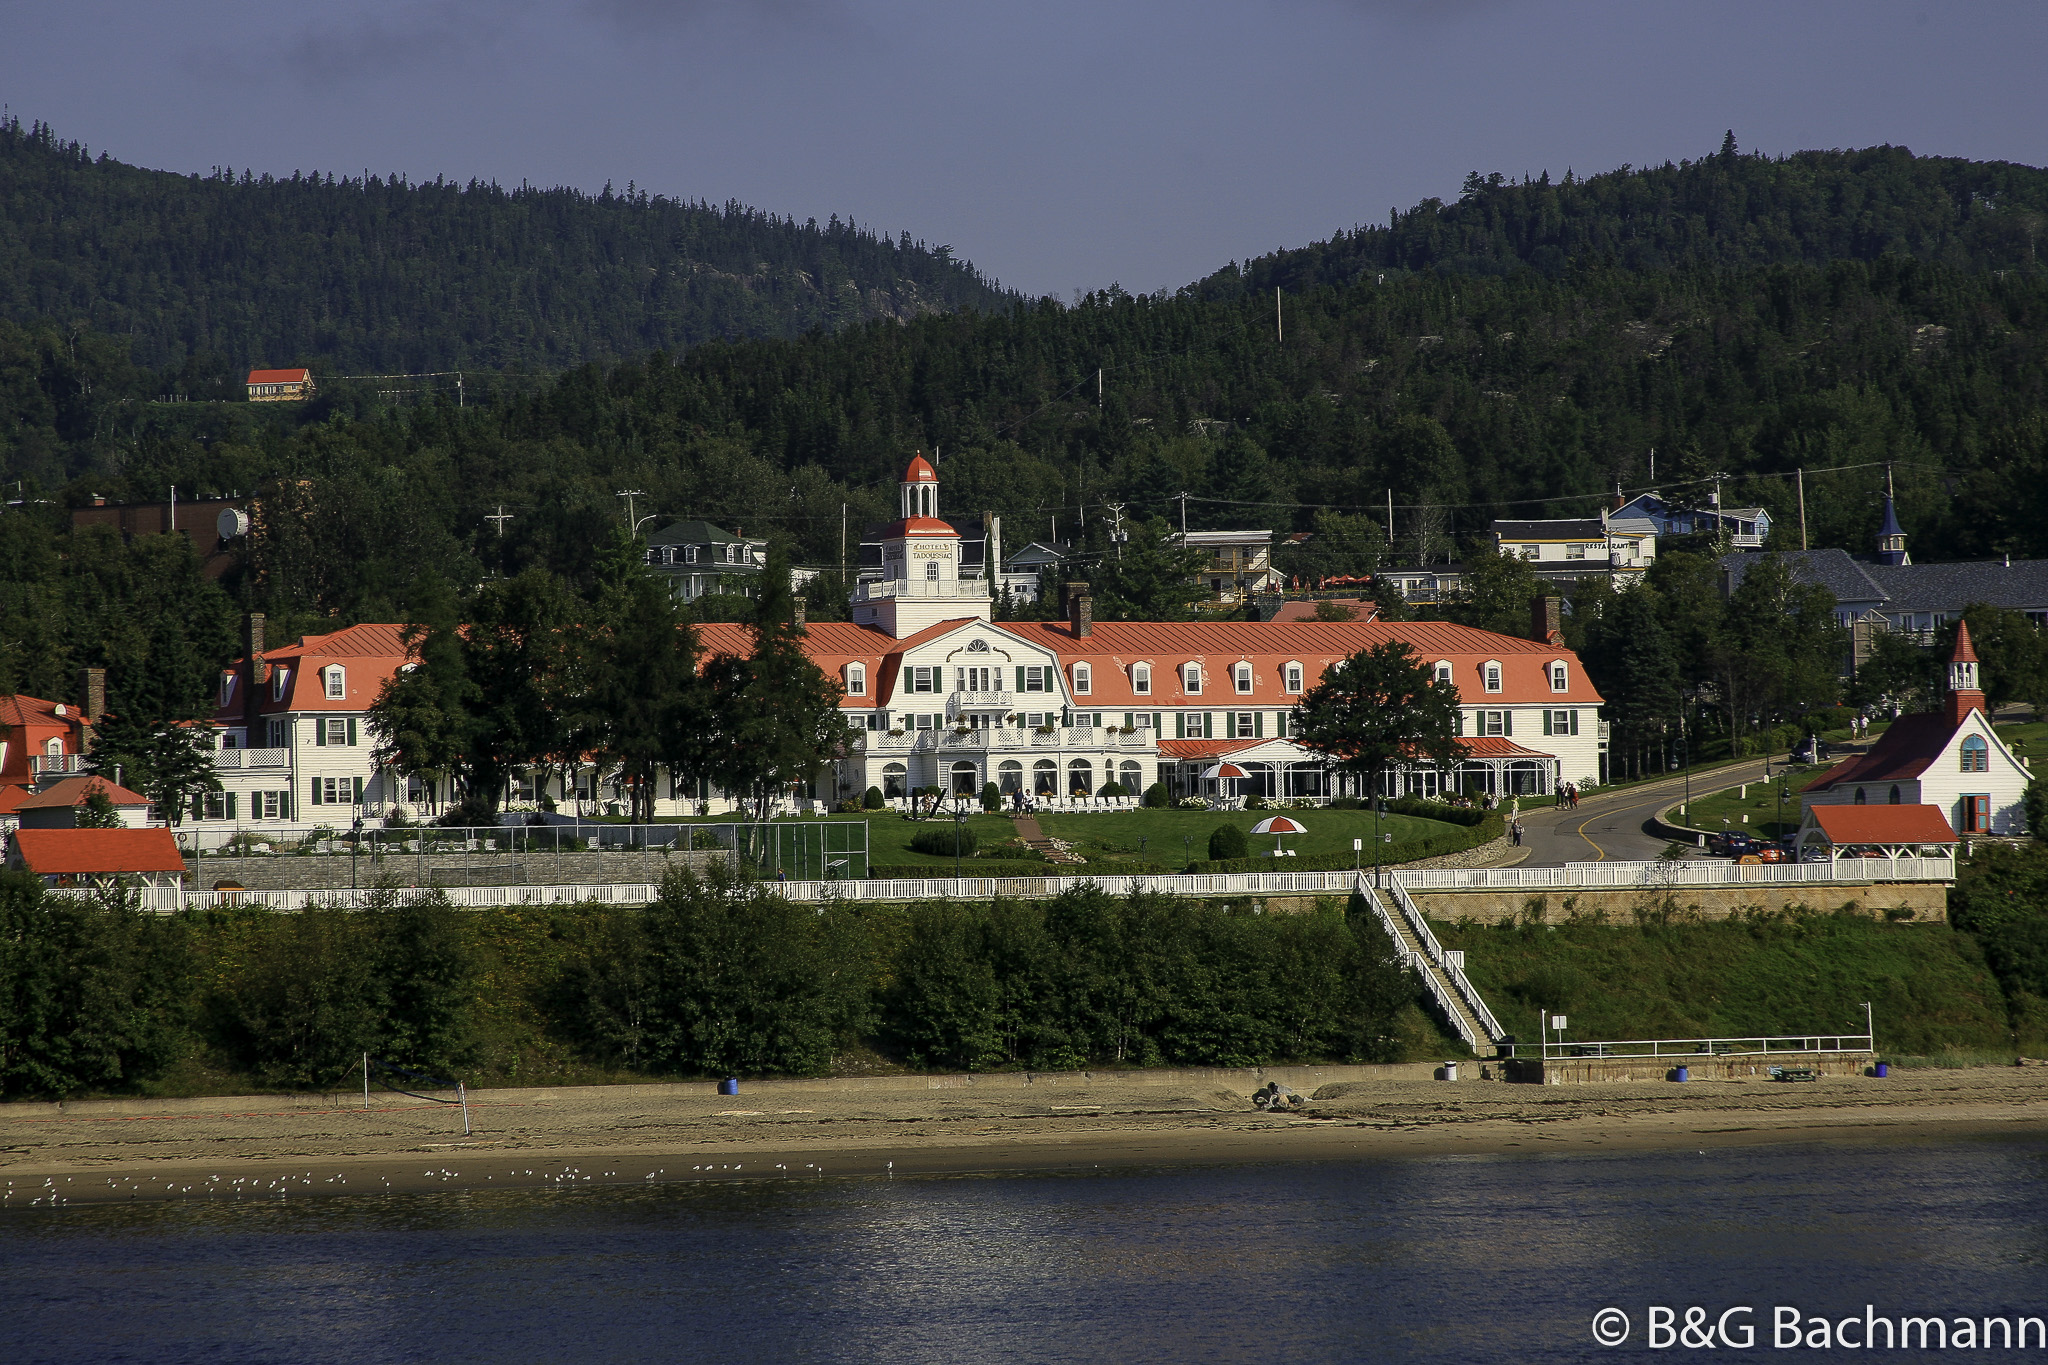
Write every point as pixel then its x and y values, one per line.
pixel 873 800
pixel 1156 797
pixel 991 797
pixel 1111 789
pixel 1226 842
pixel 938 840
pixel 1255 802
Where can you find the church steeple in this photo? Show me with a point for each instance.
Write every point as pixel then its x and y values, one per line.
pixel 920 488
pixel 1964 695
pixel 921 582
pixel 1891 537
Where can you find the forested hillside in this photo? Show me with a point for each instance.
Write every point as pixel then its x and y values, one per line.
pixel 1465 395
pixel 1726 209
pixel 379 275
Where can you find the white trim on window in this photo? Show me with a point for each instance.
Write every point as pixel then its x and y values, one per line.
pixel 1084 681
pixel 279 677
pixel 1445 673
pixel 856 680
pixel 1241 678
pixel 1141 679
pixel 1490 675
pixel 335 679
pixel 1191 679
pixel 1559 674
pixel 1293 677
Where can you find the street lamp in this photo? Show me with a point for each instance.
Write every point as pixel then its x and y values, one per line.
pixel 355 849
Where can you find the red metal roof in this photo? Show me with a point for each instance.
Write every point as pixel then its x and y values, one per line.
pixel 920 471
pixel 919 528
pixel 1882 824
pixel 1495 747
pixel 73 791
pixel 369 655
pixel 1903 751
pixel 1185 750
pixel 96 852
pixel 1964 653
pixel 279 376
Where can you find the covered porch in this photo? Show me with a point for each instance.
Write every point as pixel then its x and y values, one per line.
pixel 1831 833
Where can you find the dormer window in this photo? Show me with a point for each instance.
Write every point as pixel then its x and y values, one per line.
pixel 227 688
pixel 1291 676
pixel 1560 678
pixel 856 680
pixel 279 677
pixel 54 748
pixel 1141 679
pixel 1444 673
pixel 1489 674
pixel 337 683
pixel 689 554
pixel 1083 680
pixel 1191 679
pixel 1241 678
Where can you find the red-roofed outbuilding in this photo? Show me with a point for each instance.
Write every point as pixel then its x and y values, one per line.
pixel 73 857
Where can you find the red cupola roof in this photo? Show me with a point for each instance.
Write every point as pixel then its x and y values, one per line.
pixel 920 471
pixel 1964 653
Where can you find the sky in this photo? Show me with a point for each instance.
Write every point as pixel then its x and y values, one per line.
pixel 1058 146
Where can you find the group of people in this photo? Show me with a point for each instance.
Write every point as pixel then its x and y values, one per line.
pixel 1568 796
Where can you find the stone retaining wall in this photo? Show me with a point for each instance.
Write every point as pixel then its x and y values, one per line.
pixel 1928 901
pixel 331 872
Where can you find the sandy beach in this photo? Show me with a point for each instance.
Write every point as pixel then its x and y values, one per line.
pixel 272 1146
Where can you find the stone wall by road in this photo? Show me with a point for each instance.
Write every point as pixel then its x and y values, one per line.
pixel 329 872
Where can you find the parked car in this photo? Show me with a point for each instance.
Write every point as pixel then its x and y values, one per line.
pixel 1812 751
pixel 1733 844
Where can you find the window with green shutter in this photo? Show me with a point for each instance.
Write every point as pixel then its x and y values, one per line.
pixel 351 732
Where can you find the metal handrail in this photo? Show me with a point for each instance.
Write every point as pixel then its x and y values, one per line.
pixel 1420 965
pixel 1678 1048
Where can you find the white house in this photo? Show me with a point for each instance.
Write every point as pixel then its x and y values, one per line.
pixel 1949 760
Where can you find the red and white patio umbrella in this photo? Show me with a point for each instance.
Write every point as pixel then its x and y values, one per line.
pixel 1277 825
pixel 1227 772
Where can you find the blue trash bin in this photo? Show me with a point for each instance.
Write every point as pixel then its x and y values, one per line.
pixel 1882 1070
pixel 1681 1074
pixel 729 1086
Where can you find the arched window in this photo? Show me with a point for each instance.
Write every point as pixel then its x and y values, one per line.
pixel 1045 778
pixel 1010 776
pixel 856 680
pixel 1141 679
pixel 963 779
pixel 1560 678
pixel 1895 793
pixel 1291 676
pixel 1191 679
pixel 1084 680
pixel 1489 674
pixel 1859 796
pixel 1241 678
pixel 337 682
pixel 1130 777
pixel 892 779
pixel 1444 673
pixel 54 748
pixel 1976 755
pixel 1080 778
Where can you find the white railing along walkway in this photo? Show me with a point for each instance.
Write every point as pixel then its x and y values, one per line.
pixel 1678 1049
pixel 1675 873
pixel 1419 964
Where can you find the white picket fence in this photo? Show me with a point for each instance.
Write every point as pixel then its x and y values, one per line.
pixel 1686 872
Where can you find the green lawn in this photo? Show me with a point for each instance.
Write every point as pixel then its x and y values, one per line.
pixel 2028 741
pixel 1759 804
pixel 1157 835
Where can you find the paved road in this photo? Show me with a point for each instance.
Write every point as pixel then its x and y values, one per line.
pixel 1613 826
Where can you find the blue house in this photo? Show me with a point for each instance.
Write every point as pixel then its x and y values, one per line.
pixel 1745 527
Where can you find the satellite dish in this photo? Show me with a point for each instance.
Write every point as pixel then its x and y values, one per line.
pixel 233 524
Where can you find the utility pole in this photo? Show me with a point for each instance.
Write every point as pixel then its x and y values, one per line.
pixel 501 518
pixel 1183 518
pixel 633 522
pixel 842 542
pixel 1279 325
pixel 1098 386
pixel 1802 509
pixel 1390 521
pixel 459 401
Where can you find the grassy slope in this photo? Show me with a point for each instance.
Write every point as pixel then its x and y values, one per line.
pixel 1928 983
pixel 1329 832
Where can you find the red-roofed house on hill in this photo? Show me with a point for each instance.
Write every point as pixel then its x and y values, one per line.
pixel 280 386
pixel 42 741
pixel 1949 759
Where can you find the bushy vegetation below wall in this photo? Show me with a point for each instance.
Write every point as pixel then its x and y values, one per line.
pixel 1929 985
pixel 716 977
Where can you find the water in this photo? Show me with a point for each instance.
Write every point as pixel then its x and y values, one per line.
pixel 1455 1259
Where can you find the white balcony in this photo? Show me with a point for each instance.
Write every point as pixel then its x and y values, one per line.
pixel 987 739
pixel 52 765
pixel 236 760
pixel 960 703
pixel 922 589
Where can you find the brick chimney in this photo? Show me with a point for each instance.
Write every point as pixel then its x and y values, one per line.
pixel 254 673
pixel 1546 620
pixel 799 618
pixel 1080 610
pixel 92 685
